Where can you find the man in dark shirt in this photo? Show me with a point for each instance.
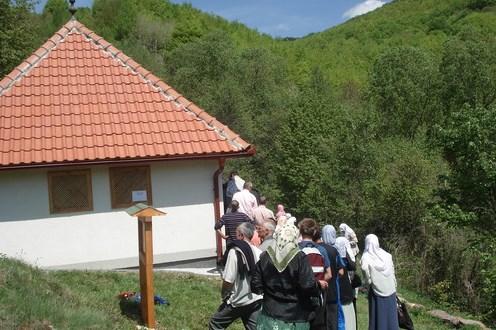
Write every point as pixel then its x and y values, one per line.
pixel 231 221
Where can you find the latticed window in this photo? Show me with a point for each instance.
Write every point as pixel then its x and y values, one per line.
pixel 70 191
pixel 126 180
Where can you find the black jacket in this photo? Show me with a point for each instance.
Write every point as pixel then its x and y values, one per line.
pixel 347 293
pixel 331 290
pixel 287 295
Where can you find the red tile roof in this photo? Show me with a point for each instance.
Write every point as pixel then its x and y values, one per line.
pixel 78 99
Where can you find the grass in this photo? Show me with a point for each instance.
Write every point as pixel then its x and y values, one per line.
pixel 31 298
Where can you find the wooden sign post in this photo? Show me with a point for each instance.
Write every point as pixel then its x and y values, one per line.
pixel 145 247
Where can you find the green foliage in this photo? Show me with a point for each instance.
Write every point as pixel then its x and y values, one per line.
pixel 115 18
pixel 481 4
pixel 403 84
pixel 55 14
pixel 403 188
pixel 468 71
pixel 469 142
pixel 16 37
pixel 299 146
pixel 385 122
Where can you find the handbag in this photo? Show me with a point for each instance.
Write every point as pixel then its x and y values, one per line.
pixel 404 320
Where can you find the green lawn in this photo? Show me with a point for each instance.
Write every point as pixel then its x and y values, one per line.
pixel 33 299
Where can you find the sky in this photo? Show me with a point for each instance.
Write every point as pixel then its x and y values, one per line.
pixel 279 18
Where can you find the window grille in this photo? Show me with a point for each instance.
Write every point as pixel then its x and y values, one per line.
pixel 125 180
pixel 70 191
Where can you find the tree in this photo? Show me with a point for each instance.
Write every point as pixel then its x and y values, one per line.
pixel 469 140
pixel 468 71
pixel 55 14
pixel 402 89
pixel 16 33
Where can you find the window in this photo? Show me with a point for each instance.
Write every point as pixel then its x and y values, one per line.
pixel 70 191
pixel 125 180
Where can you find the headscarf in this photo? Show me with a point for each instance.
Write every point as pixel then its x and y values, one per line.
pixel 343 246
pixel 350 236
pixel 329 234
pixel 290 218
pixel 347 231
pixel 285 246
pixel 376 257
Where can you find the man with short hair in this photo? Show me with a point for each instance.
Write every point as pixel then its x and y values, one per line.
pixel 238 300
pixel 231 221
pixel 261 213
pixel 247 201
pixel 319 260
pixel 265 232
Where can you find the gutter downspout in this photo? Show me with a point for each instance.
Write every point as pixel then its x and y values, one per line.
pixel 218 238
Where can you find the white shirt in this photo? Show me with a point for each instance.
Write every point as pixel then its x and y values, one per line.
pixel 247 202
pixel 241 291
pixel 383 284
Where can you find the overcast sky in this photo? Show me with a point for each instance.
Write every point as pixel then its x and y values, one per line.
pixel 279 18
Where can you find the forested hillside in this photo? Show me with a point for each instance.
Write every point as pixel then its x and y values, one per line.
pixel 386 122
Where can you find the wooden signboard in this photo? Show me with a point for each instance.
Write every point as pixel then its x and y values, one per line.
pixel 145 247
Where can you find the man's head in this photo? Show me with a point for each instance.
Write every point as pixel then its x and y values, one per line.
pixel 308 228
pixel 234 206
pixel 263 200
pixel 245 231
pixel 248 186
pixel 317 235
pixel 265 229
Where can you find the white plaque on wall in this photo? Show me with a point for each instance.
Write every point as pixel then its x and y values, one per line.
pixel 139 196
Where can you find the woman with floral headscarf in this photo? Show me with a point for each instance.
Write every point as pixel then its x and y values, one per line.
pixel 378 268
pixel 285 277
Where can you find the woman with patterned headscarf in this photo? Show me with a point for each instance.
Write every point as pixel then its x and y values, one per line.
pixel 286 280
pixel 378 268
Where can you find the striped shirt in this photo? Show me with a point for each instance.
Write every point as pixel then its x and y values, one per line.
pixel 317 257
pixel 232 221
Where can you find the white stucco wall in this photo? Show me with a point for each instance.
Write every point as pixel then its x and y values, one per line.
pixel 105 237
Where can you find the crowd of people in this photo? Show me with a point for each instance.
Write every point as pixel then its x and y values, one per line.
pixel 283 274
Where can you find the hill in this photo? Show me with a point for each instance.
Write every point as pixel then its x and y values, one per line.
pixel 386 122
pixel 31 298
pixel 346 52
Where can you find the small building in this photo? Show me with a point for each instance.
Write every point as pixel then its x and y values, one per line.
pixel 85 131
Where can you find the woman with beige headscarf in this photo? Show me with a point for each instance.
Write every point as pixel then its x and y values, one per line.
pixel 378 269
pixel 286 279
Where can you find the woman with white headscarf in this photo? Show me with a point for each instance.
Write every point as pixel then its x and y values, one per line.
pixel 378 269
pixel 283 274
pixel 346 291
pixel 350 235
